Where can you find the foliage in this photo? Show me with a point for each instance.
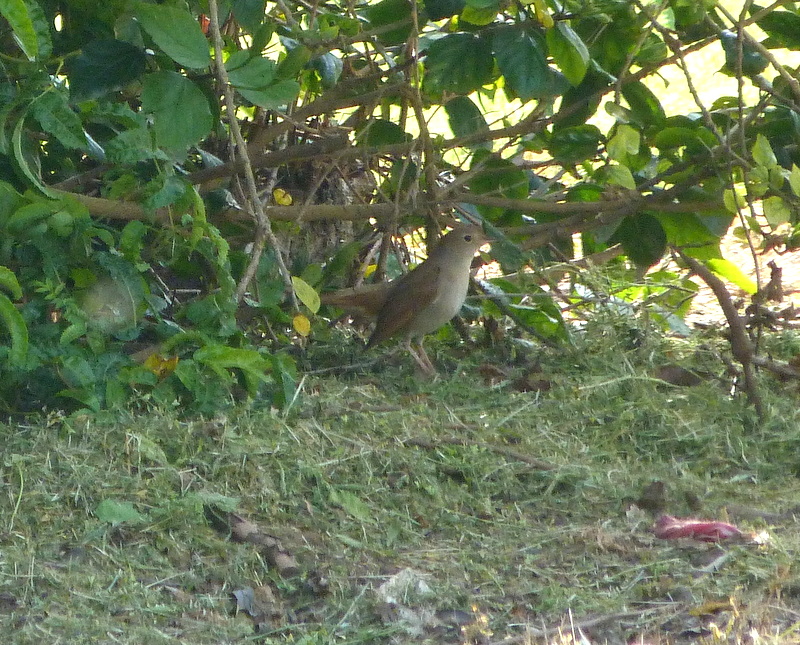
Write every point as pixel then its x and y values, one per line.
pixel 125 254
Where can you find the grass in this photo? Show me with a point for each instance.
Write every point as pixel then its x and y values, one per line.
pixel 487 543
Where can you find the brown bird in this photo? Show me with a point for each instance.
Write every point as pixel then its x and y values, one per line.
pixel 422 300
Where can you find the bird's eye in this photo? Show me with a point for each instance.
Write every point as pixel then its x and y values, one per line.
pixel 468 238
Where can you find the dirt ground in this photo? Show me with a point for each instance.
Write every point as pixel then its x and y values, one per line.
pixel 706 310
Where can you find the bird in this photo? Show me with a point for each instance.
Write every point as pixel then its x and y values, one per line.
pixel 422 300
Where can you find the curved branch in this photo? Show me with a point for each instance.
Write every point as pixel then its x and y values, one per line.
pixel 741 347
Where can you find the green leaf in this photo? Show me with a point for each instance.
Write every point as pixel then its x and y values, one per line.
pixel 30 27
pixel 103 66
pixel 246 71
pixel 642 237
pixel 479 16
pixel 275 96
pixel 693 233
pixel 544 317
pixel 296 59
pixel 221 358
pixel 284 372
pixel 61 223
pixel 497 176
pixel 27 217
pixel 10 201
pixel 645 106
pixel 568 51
pixel 465 117
pixel 261 36
pixel 732 273
pixel 458 63
pixel 380 132
pixel 41 25
pixel 249 13
pixel 115 513
pixel 734 201
pixel 131 240
pixel 777 211
pixel 9 282
pixel 576 144
pixel 218 500
pixel 794 180
pixel 652 52
pixel 352 505
pixel 176 32
pixel 17 330
pixel 24 157
pixel 625 142
pixel 439 9
pixel 132 146
pixel 182 115
pixel 19 17
pixel 620 175
pixel 782 27
pixel 306 294
pixel 484 4
pixel 77 371
pixel 72 333
pixel 55 116
pixel 170 190
pixel 149 449
pixel 674 137
pixel 580 103
pixel 520 55
pixel 387 12
pixel 762 152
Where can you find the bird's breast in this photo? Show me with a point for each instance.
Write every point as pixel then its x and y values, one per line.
pixel 450 296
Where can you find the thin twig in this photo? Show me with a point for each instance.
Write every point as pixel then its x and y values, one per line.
pixel 263 225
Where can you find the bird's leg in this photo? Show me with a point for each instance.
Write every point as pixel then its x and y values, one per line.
pixel 421 358
pixel 424 356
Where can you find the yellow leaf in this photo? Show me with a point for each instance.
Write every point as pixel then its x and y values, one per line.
pixel 301 324
pixel 161 366
pixel 542 14
pixel 713 607
pixel 281 197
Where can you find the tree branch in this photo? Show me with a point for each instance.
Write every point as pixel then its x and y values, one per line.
pixel 741 347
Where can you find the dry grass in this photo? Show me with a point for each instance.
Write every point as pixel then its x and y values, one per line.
pixel 489 546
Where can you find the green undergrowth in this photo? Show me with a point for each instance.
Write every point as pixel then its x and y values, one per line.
pixel 104 519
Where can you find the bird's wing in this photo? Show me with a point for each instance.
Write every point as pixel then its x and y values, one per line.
pixel 408 295
pixel 365 300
